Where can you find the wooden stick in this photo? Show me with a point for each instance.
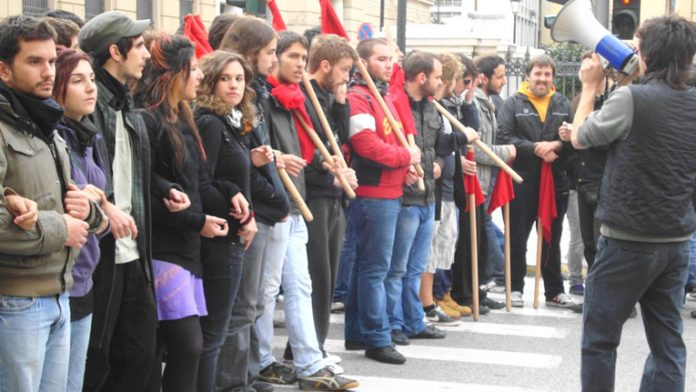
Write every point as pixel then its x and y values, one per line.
pixel 537 268
pixel 499 162
pixel 324 153
pixel 474 256
pixel 506 221
pixel 295 195
pixel 392 121
pixel 328 133
pixel 420 182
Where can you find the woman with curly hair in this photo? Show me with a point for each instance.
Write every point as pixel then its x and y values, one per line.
pixel 165 91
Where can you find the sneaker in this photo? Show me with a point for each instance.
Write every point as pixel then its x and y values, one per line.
pixel 386 355
pixel 486 287
pixel 332 357
pixel 483 309
pixel 497 288
pixel 561 300
pixel 516 299
pixel 399 338
pixel 691 296
pixel 334 367
pixel 452 304
pixel 277 373
pixel 452 313
pixel 354 345
pixel 577 289
pixel 492 304
pixel 326 380
pixel 338 307
pixel 437 316
pixel 693 314
pixel 430 332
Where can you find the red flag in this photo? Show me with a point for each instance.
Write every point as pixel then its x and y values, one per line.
pixel 398 96
pixel 547 200
pixel 195 30
pixel 503 191
pixel 278 22
pixel 472 184
pixel 329 20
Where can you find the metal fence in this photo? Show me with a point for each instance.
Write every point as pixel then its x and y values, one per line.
pixel 566 81
pixel 34 7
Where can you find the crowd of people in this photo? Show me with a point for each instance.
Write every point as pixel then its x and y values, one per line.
pixel 156 204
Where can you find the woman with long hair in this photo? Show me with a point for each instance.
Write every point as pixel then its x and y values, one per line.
pixel 165 91
pixel 224 115
pixel 76 90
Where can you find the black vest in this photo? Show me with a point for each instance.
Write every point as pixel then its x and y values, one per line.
pixel 648 185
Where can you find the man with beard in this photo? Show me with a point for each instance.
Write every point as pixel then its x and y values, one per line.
pixel 414 227
pixel 530 120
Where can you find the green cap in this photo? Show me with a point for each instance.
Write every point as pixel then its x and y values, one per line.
pixel 107 28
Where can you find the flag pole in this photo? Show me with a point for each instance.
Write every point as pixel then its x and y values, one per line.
pixel 506 222
pixel 324 153
pixel 474 253
pixel 537 268
pixel 499 162
pixel 293 192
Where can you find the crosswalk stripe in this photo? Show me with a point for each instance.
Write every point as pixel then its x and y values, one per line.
pixel 529 331
pixel 385 384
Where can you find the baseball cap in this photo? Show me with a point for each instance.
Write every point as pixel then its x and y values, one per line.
pixel 107 28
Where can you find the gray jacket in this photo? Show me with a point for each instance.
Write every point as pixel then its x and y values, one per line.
pixel 487 130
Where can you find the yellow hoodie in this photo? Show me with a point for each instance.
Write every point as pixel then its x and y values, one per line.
pixel 541 104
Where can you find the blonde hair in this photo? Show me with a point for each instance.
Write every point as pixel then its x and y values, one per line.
pixel 451 67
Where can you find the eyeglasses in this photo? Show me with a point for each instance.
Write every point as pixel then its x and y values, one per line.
pixel 466 82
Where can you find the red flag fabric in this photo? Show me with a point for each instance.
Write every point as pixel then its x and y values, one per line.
pixel 329 20
pixel 195 30
pixel 292 98
pixel 547 212
pixel 278 22
pixel 503 191
pixel 398 96
pixel 472 184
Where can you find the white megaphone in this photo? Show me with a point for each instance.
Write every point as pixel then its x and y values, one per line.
pixel 576 22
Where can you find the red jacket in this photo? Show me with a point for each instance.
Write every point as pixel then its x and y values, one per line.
pixel 378 159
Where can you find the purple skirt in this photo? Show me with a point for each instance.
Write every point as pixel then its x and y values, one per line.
pixel 179 293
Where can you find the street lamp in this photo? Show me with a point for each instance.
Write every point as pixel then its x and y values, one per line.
pixel 515 4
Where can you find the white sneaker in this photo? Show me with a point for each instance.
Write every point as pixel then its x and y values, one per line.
pixel 562 300
pixel 335 368
pixel 516 299
pixel 691 296
pixel 333 358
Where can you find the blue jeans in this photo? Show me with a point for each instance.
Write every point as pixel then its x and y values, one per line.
pixel 625 273
pixel 222 274
pixel 35 343
pixel 288 265
pixel 345 262
pixel 366 303
pixel 691 282
pixel 442 283
pixel 414 230
pixel 79 341
pixel 496 256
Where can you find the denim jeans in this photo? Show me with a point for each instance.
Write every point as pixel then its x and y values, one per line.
pixel 238 359
pixel 576 249
pixel 374 220
pixel 442 283
pixel 345 261
pixel 414 230
pixel 289 266
pixel 691 282
pixel 222 274
pixel 624 273
pixel 79 341
pixel 496 255
pixel 35 349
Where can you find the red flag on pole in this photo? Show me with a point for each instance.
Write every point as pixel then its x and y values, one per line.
pixel 398 96
pixel 195 30
pixel 547 201
pixel 278 22
pixel 503 192
pixel 472 184
pixel 329 20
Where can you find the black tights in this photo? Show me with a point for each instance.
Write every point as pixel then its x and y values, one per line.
pixel 182 340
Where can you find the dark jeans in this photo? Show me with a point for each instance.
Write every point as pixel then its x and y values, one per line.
pixel 523 214
pixel 346 260
pixel 462 290
pixel 125 301
pixel 588 195
pixel 323 250
pixel 654 275
pixel 442 283
pixel 222 274
pixel 238 360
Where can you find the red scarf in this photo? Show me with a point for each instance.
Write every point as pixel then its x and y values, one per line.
pixel 547 212
pixel 503 191
pixel 472 185
pixel 292 99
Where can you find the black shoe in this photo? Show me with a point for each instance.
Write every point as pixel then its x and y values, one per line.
pixel 693 314
pixel 354 345
pixel 326 380
pixel 399 338
pixel 430 332
pixel 386 355
pixel 277 373
pixel 259 386
pixel 492 304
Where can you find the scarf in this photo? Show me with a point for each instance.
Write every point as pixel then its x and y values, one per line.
pixel 121 96
pixel 34 115
pixel 85 131
pixel 358 80
pixel 291 98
